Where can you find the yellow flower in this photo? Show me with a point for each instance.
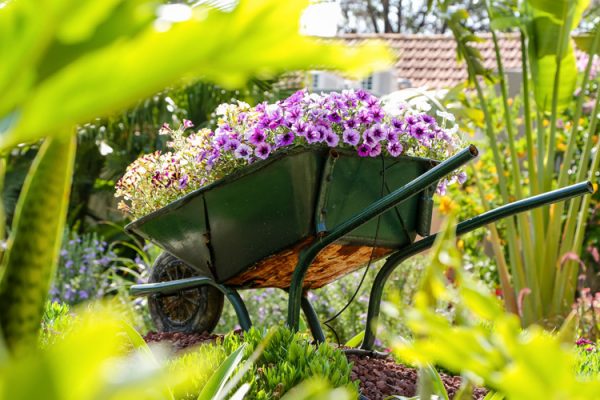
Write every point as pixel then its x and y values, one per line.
pixel 446 205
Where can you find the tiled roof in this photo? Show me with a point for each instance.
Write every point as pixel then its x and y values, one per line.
pixel 431 61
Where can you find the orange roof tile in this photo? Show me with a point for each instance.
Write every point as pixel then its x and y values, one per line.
pixel 431 61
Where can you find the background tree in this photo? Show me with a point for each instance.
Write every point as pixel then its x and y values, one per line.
pixel 401 16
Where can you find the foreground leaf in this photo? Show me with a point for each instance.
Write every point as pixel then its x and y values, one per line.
pixel 34 242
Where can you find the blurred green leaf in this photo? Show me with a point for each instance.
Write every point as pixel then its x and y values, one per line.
pixel 103 67
pixel 356 340
pixel 217 381
pixel 34 243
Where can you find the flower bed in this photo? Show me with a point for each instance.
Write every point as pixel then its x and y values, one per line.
pixel 245 135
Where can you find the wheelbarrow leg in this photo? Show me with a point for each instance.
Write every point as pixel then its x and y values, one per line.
pixel 313 320
pixel 240 308
pixel 479 221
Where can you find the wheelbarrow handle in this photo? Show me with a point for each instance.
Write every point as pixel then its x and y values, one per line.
pixel 393 199
pixel 469 225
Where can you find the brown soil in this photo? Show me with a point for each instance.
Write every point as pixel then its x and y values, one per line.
pixel 379 377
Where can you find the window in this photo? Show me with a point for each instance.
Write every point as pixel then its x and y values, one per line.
pixel 367 83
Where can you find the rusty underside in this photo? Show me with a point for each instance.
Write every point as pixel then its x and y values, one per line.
pixel 332 263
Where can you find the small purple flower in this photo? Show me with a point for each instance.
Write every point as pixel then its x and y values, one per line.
pixel 83 295
pixel 364 118
pixel 335 117
pixel 243 151
pixel 394 148
pixel 428 119
pixel 583 342
pixel 232 145
pixel 411 120
pixel 362 95
pixel 187 124
pixel 376 132
pixel 221 140
pixel 364 150
pixel 285 139
pixel 351 136
pixel 183 181
pixel 262 150
pixel 396 123
pixel 257 137
pixel 301 128
pixel 313 136
pixel 332 139
pixel 69 264
pixel 418 130
pixel 377 114
pixel 461 177
pixel 375 150
pixel 350 123
pixel 391 136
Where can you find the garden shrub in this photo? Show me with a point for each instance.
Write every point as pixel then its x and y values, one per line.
pixel 288 359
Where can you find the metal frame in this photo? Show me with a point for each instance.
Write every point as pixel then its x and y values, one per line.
pixel 169 287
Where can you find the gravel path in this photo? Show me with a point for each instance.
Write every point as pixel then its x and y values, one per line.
pixel 379 377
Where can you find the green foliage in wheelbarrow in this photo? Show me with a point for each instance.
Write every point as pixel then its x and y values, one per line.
pixel 66 62
pixel 485 343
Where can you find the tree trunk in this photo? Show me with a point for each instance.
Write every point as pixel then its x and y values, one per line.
pixel 387 25
pixel 399 29
pixel 372 14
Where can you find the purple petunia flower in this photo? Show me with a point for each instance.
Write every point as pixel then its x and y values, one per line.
pixel 396 123
pixel 220 140
pixel 411 120
pixel 376 114
pixel 391 136
pixel 332 139
pixel 364 118
pixel 334 117
pixel 364 150
pixel 375 150
pixel 313 136
pixel 418 130
pixel 183 182
pixel 301 128
pixel 428 119
pixel 285 139
pixel 232 145
pixel 350 123
pixel 362 94
pixel 376 132
pixel 351 136
pixel 257 137
pixel 243 151
pixel 394 148
pixel 262 150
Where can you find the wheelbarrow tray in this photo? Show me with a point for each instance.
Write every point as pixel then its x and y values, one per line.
pixel 247 229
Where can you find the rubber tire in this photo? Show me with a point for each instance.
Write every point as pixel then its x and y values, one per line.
pixel 201 315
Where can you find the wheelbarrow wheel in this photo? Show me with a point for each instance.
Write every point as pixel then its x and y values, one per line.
pixel 193 310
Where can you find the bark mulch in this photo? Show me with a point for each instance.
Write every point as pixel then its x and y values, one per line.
pixel 379 377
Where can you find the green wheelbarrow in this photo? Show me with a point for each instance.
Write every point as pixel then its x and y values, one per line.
pixel 298 221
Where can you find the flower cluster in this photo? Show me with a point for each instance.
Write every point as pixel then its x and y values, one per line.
pixel 350 119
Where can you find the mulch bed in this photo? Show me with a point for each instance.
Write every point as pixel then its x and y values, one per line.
pixel 379 377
